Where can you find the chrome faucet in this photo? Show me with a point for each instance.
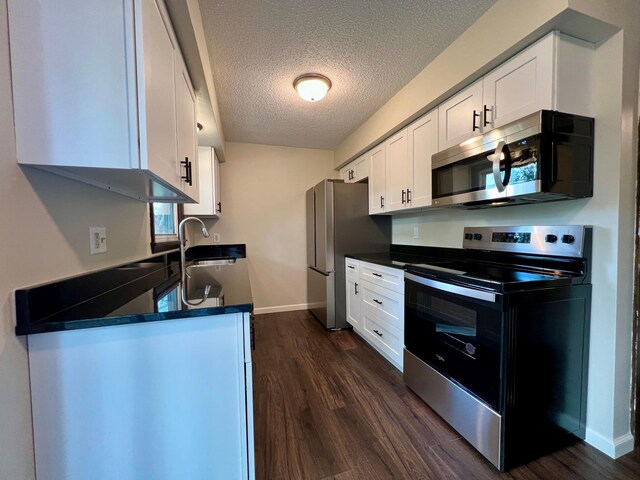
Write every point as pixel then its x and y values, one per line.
pixel 183 264
pixel 183 242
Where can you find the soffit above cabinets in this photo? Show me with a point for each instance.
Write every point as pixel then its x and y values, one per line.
pixel 369 50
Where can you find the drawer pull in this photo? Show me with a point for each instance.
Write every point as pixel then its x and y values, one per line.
pixel 376 274
pixel 356 288
pixel 377 333
pixel 377 301
pixel 351 267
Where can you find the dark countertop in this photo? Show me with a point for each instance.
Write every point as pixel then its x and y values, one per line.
pixel 145 291
pixel 400 255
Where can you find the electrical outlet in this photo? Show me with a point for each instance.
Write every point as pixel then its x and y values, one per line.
pixel 98 240
pixel 416 232
pixel 216 238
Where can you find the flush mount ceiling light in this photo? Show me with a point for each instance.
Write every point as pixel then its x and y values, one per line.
pixel 312 86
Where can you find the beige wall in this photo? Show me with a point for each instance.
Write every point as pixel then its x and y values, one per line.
pixel 263 204
pixel 44 235
pixel 611 210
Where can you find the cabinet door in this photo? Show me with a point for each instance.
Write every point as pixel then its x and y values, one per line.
pixel 423 143
pixel 176 387
pixel 377 180
pixel 205 205
pixel 521 86
pixel 460 117
pixel 396 171
pixel 156 89
pixel 217 196
pixel 209 204
pixel 353 293
pixel 361 168
pixel 346 173
pixel 186 129
pixel 73 80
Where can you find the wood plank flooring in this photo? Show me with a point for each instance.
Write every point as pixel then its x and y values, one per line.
pixel 327 406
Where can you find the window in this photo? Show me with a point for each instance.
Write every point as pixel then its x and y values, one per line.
pixel 165 218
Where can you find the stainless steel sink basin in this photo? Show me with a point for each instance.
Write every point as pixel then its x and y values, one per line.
pixel 209 263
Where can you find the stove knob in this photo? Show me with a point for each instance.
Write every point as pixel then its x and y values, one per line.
pixel 568 239
pixel 551 238
pixel 477 236
pixel 468 236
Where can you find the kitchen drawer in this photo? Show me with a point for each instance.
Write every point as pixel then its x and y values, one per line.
pixel 352 267
pixel 384 304
pixel 387 340
pixel 392 278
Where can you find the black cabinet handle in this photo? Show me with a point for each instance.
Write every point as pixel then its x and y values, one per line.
pixel 485 111
pixel 381 201
pixel 219 207
pixel 376 274
pixel 377 301
pixel 475 115
pixel 187 170
pixel 356 288
pixel 377 333
pixel 408 196
pixel 403 197
pixel 351 267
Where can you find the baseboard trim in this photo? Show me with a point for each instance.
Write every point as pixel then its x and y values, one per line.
pixel 613 447
pixel 281 308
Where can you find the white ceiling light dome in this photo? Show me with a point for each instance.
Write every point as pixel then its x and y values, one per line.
pixel 312 86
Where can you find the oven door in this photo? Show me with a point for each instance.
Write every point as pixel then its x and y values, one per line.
pixel 458 331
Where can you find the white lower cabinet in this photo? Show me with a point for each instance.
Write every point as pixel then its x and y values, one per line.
pixel 353 292
pixel 159 400
pixel 375 306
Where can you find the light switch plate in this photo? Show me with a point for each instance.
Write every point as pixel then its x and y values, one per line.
pixel 216 238
pixel 416 231
pixel 98 240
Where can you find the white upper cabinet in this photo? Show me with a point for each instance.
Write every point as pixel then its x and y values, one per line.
pixel 186 130
pixel 408 164
pixel 209 204
pixel 460 117
pixel 397 171
pixel 95 85
pixel 551 74
pixel 377 179
pixel 520 86
pixel 357 170
pixel 422 136
pixel 157 76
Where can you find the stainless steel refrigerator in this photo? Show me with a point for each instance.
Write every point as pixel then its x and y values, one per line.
pixel 338 222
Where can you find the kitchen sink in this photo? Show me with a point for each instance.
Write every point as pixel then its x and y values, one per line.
pixel 208 263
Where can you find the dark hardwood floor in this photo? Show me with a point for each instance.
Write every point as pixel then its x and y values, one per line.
pixel 328 406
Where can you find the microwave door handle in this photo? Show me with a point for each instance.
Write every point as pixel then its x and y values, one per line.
pixel 495 160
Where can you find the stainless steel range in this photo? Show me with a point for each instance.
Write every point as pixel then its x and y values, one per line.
pixel 497 344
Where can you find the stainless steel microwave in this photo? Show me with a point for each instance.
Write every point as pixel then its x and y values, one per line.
pixel 543 157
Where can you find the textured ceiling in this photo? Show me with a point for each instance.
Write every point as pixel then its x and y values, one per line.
pixel 368 48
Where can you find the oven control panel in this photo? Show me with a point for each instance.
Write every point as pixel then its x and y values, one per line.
pixel 559 240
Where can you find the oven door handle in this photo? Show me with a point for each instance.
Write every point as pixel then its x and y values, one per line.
pixel 455 289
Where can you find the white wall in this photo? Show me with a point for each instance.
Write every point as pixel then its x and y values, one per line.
pixel 610 211
pixel 263 205
pixel 44 235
